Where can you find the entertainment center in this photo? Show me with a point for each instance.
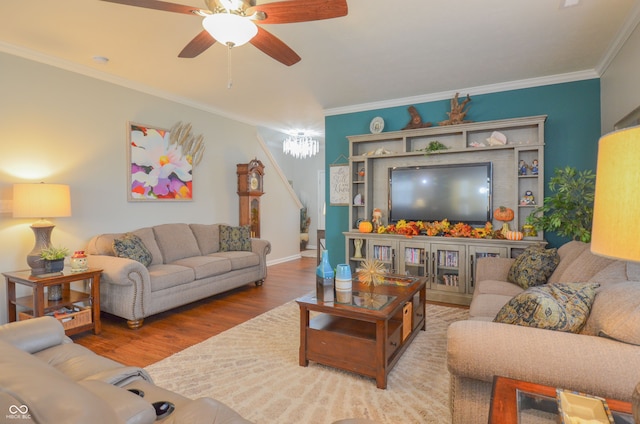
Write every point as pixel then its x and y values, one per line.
pixel 477 172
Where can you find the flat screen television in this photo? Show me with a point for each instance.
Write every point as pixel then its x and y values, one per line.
pixel 457 192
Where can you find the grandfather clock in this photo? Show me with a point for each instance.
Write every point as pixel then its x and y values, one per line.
pixel 249 190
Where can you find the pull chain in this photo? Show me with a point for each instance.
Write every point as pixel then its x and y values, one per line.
pixel 229 80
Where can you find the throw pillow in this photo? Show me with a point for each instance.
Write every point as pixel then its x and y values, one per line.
pixel 534 266
pixel 131 246
pixel 561 306
pixel 616 312
pixel 235 238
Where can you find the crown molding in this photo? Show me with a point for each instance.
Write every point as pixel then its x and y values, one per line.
pixel 123 82
pixel 622 36
pixel 484 89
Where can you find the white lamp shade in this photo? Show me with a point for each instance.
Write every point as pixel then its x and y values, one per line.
pixel 230 29
pixel 616 213
pixel 41 200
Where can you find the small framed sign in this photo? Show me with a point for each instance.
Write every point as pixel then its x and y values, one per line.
pixel 339 185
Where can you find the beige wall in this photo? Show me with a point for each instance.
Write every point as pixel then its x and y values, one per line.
pixel 619 86
pixel 60 127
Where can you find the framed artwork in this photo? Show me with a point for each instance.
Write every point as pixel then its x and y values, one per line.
pixel 158 170
pixel 339 185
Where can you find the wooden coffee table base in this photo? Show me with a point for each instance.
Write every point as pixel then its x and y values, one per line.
pixel 364 341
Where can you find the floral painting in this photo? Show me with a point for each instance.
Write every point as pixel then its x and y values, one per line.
pixel 159 169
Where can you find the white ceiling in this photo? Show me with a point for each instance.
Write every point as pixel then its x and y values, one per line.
pixel 382 51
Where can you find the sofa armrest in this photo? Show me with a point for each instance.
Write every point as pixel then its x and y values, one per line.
pixel 34 335
pixel 205 411
pixel 120 271
pixel 596 365
pixel 493 268
pixel 261 247
pixel 130 408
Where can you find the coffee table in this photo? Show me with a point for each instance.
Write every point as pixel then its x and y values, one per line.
pixel 368 335
pixel 520 402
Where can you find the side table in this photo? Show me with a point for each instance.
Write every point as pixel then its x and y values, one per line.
pixel 87 305
pixel 511 398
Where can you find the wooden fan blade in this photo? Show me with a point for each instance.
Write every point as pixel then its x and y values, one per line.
pixel 199 44
pixel 284 12
pixel 157 5
pixel 274 47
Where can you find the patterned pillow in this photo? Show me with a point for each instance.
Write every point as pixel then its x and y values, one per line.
pixel 131 246
pixel 235 238
pixel 560 306
pixel 534 266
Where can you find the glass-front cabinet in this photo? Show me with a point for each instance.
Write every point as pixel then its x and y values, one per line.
pixel 448 268
pixel 448 264
pixel 413 259
pixel 383 251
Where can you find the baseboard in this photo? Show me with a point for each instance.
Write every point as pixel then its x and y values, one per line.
pixel 285 259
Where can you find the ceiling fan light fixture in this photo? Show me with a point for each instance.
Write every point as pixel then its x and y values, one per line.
pixel 230 29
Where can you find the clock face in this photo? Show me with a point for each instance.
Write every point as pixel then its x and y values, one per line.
pixel 254 181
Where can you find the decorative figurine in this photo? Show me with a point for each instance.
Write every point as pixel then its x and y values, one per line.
pixel 527 199
pixel 457 114
pixel 534 167
pixel 79 261
pixel 522 168
pixel 361 172
pixel 529 230
pixel 357 244
pixel 376 219
pixel 416 120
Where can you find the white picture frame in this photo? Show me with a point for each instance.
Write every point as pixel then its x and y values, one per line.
pixel 339 185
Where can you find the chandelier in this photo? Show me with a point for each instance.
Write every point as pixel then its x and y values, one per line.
pixel 300 146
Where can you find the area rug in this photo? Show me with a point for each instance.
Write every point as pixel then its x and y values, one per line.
pixel 254 369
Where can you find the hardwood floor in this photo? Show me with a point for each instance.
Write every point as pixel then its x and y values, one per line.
pixel 167 333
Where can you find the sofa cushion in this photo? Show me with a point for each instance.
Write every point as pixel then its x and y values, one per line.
pixel 240 259
pixel 497 287
pixel 149 239
pixel 534 266
pixel 206 266
pixel 561 306
pixel 585 266
pixel 207 236
pixel 50 396
pixel 488 305
pixel 568 252
pixel 235 238
pixel 130 246
pixel 176 241
pixel 616 312
pixel 168 275
pixel 103 244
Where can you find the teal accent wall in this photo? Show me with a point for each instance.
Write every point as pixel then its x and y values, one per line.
pixel 572 131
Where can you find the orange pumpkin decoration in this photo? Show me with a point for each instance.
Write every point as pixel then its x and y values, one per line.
pixel 514 235
pixel 365 227
pixel 503 213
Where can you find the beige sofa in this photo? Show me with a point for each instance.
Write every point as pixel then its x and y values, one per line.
pixel 479 349
pixel 187 264
pixel 47 379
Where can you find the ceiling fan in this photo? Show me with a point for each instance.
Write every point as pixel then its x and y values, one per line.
pixel 233 22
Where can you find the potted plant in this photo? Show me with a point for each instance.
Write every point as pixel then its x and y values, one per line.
pixel 305 222
pixel 569 210
pixel 54 258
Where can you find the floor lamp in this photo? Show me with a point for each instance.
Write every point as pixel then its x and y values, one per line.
pixel 42 201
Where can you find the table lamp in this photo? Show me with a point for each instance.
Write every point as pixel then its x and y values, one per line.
pixel 42 201
pixel 616 209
